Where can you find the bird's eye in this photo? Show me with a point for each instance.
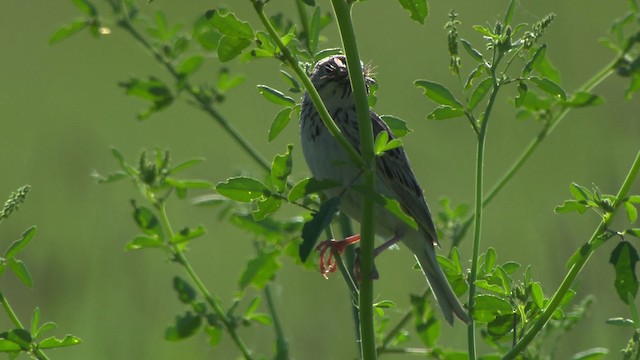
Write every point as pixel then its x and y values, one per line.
pixel 329 67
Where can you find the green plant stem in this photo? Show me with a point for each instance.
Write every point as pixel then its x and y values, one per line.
pixel 477 229
pixel 200 99
pixel 38 353
pixel 346 229
pixel 214 302
pixel 594 81
pixel 342 10
pixel 282 346
pixel 306 82
pixel 587 250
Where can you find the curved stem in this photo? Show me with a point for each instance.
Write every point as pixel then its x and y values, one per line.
pixel 200 99
pixel 214 302
pixel 311 90
pixel 587 250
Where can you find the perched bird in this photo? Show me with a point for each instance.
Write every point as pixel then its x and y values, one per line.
pixel 328 160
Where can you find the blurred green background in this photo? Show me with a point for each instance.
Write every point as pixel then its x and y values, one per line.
pixel 61 111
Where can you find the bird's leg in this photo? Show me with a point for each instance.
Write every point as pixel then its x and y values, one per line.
pixel 374 274
pixel 328 263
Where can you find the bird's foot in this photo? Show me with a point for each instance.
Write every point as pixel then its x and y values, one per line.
pixel 328 262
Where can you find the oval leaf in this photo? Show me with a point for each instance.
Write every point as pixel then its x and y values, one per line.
pixel 241 188
pixel 279 123
pixel 438 93
pixel 275 96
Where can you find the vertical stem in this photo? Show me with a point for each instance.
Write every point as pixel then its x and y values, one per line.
pixel 342 10
pixel 477 228
pixel 349 255
pixel 282 346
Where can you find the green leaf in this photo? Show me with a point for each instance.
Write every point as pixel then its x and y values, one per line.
pixel 21 271
pixel 537 295
pixel 229 25
pixel 53 342
pixel 19 336
pixel 242 188
pixel 426 324
pixel 229 47
pixel 489 306
pixel 281 169
pixel 309 186
pixel 314 227
pixel 479 93
pixel 294 86
pixel 147 221
pixel 46 327
pixel 17 246
pixel 475 54
pixel 621 322
pixel 35 321
pixel 591 354
pixel 9 346
pixel 188 234
pixel 186 326
pixel 418 8
pixel 143 241
pixel 634 86
pixel 580 192
pixel 265 207
pixel 186 292
pixel 190 65
pixel 549 87
pixel 634 199
pixel 537 56
pixel 438 93
pixel 583 99
pixel 444 112
pixel 67 31
pixel 632 212
pixel 261 270
pixel 397 126
pixel 569 206
pixel 275 96
pixel 215 335
pixel 185 165
pixel 279 123
pixel 634 232
pixel 508 16
pixel 522 94
pixel 624 258
pixel 475 73
pixel 227 82
pixel 314 30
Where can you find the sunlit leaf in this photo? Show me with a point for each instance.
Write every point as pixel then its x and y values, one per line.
pixel 260 270
pixel 418 8
pixel 242 188
pixel 438 93
pixel 280 122
pixel 275 96
pixel 281 169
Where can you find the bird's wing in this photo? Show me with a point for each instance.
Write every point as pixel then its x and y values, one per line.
pixel 394 170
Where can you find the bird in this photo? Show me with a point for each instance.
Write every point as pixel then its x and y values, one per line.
pixel 328 160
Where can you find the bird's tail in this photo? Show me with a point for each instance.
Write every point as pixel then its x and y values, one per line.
pixel 446 298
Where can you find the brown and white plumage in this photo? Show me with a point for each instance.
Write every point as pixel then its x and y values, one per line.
pixel 395 179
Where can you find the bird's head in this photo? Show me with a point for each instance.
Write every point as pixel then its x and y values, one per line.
pixel 331 74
